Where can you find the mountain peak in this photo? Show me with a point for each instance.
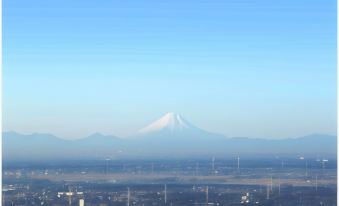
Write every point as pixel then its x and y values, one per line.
pixel 170 121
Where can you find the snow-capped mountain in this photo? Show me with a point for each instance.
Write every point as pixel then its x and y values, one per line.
pixel 170 136
pixel 173 127
pixel 171 122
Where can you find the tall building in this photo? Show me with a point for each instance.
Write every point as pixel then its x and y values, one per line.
pixel 81 202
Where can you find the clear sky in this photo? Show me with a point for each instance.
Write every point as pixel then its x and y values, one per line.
pixel 255 68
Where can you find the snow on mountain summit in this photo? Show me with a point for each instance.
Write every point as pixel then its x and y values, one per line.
pixel 170 121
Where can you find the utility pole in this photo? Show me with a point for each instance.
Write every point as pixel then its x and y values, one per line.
pixel 206 195
pixel 279 186
pixel 306 170
pixel 238 163
pixel 316 183
pixel 69 194
pixel 323 164
pixel 213 168
pixel 106 166
pixel 271 183
pixel 268 192
pixel 128 196
pixel 165 194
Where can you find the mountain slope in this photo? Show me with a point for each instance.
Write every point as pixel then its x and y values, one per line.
pixel 174 128
pixel 39 146
pixel 171 136
pixel 171 122
pixel 48 147
pixel 33 146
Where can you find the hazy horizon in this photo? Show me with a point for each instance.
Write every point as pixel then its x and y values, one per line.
pixel 124 137
pixel 136 132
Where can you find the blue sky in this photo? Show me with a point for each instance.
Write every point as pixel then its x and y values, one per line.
pixel 256 68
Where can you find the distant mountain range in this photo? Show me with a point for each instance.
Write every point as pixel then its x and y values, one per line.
pixel 170 136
